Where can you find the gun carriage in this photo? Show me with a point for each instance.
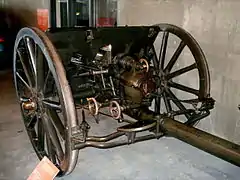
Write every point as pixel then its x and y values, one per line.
pixel 65 76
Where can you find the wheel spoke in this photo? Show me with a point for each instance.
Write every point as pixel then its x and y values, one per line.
pixel 53 136
pixel 24 68
pixel 35 50
pixel 157 106
pixel 177 102
pixel 32 122
pixel 40 134
pixel 163 49
pixel 57 122
pixel 45 82
pixel 184 88
pixel 31 54
pixel 50 149
pixel 33 135
pixel 39 69
pixel 52 104
pixel 155 60
pixel 167 102
pixel 24 82
pixel 175 57
pixel 182 71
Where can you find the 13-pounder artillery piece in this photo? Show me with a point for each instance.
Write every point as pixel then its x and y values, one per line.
pixel 66 75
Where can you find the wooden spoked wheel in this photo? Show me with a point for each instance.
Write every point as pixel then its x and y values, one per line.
pixel 180 64
pixel 45 98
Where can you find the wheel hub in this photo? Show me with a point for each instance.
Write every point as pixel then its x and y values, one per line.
pixel 163 81
pixel 29 105
pixel 33 103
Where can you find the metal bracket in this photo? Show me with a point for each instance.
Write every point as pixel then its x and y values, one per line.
pixel 159 132
pixel 89 36
pixel 80 133
pixel 131 137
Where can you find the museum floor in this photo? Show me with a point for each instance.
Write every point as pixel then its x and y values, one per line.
pixel 164 159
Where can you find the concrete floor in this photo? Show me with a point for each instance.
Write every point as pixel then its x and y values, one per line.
pixel 164 159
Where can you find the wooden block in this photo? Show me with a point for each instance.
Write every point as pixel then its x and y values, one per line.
pixel 45 170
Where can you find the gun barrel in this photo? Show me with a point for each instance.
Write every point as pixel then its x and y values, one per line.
pixel 214 145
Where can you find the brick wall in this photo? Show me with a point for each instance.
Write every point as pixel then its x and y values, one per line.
pixel 216 26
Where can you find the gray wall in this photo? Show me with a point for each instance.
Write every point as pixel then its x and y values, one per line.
pixel 216 26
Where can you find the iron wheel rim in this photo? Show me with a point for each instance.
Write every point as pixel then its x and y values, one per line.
pixel 66 163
